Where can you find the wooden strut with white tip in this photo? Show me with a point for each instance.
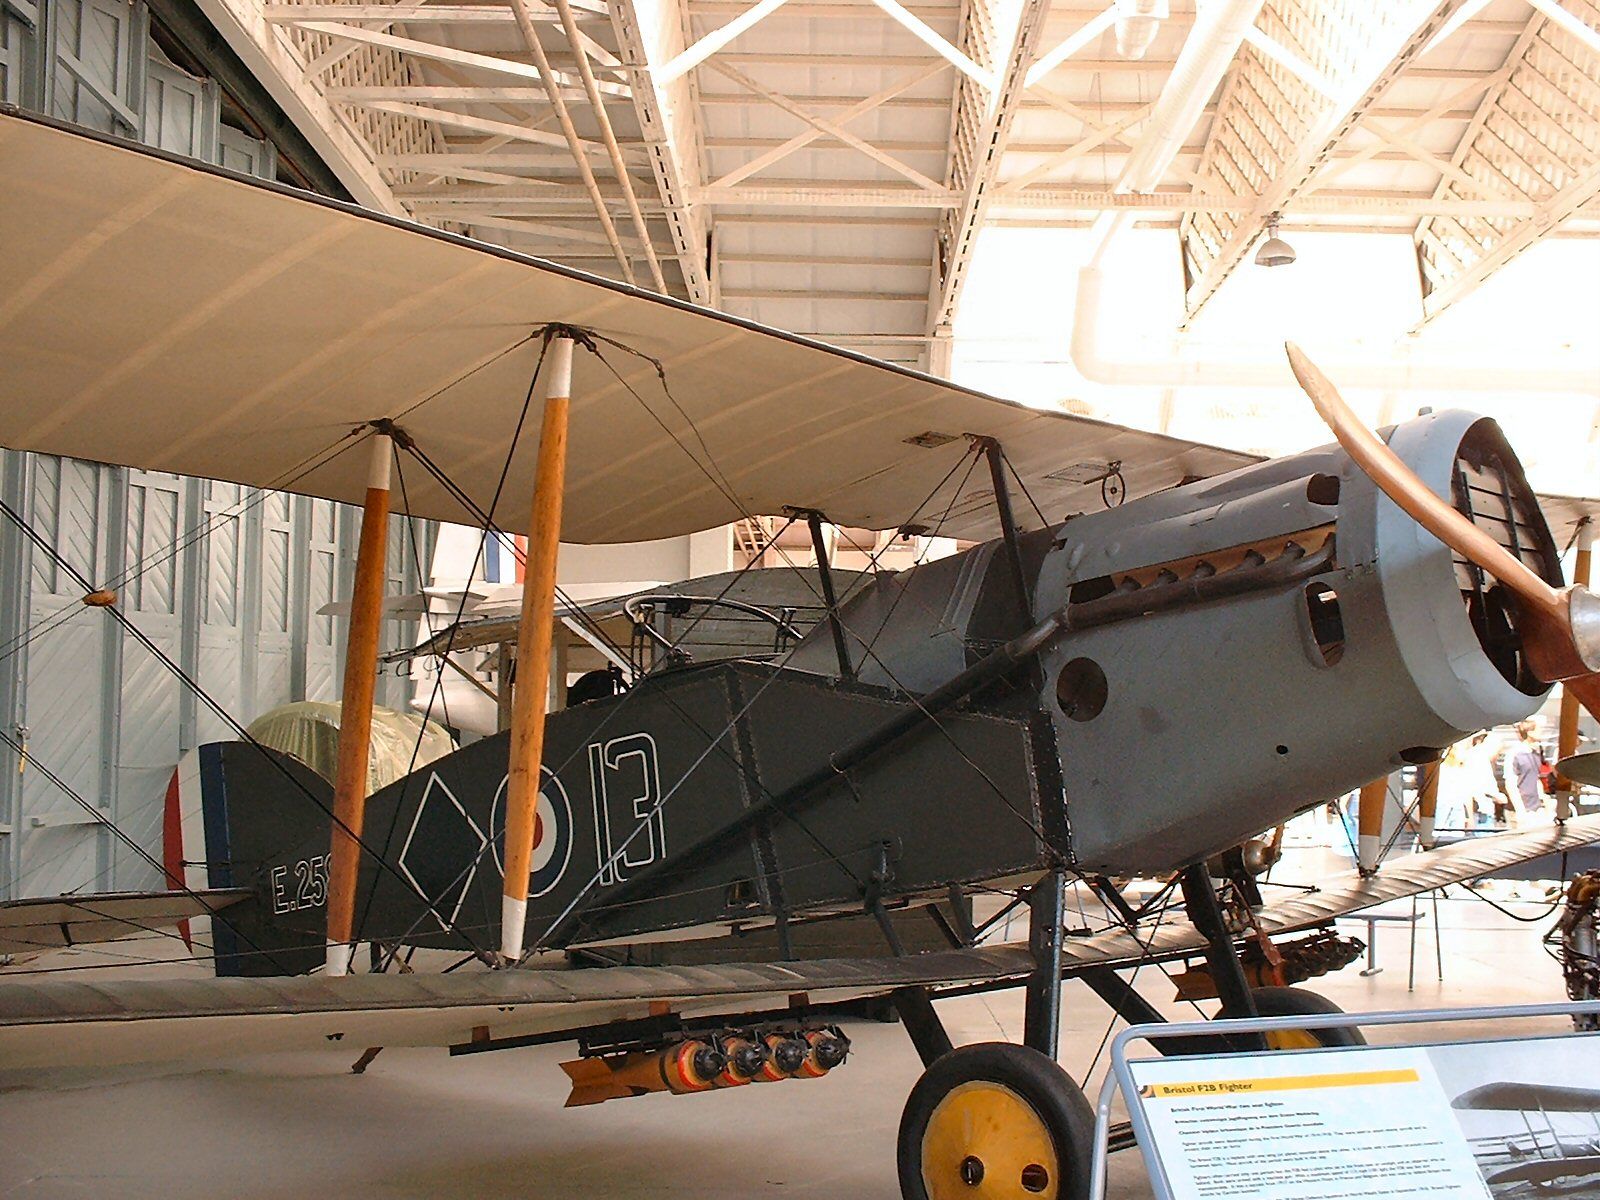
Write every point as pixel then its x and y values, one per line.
pixel 1369 824
pixel 355 708
pixel 530 696
pixel 1567 730
pixel 1428 802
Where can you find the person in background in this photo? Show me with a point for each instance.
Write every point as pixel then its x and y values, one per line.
pixel 1467 790
pixel 1523 759
pixel 1455 796
pixel 1484 797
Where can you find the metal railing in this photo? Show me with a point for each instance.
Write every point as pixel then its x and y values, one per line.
pixel 1120 1077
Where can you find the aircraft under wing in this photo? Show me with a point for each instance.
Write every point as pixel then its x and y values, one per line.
pixel 32 926
pixel 164 314
pixel 80 1023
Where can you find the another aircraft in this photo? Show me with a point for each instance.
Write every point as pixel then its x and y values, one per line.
pixel 1551 1165
pixel 1103 688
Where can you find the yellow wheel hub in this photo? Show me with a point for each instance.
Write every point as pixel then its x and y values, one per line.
pixel 985 1142
pixel 1292 1039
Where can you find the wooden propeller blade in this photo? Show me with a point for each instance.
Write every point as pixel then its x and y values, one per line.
pixel 1587 690
pixel 1400 483
pixel 1549 619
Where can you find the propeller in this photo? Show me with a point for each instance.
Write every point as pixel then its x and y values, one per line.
pixel 1560 627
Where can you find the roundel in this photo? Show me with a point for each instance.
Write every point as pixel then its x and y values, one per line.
pixel 552 838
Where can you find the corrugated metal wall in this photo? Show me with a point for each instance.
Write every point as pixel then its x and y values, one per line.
pixel 228 581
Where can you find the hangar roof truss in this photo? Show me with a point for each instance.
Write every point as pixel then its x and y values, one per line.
pixel 827 165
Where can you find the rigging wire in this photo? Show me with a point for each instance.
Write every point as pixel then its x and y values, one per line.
pixel 728 492
pixel 461 607
pixel 174 884
pixel 1044 521
pixel 1144 955
pixel 487 519
pixel 471 371
pixel 198 532
pixel 617 856
pixel 208 699
pixel 971 457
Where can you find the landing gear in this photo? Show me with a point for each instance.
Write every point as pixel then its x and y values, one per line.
pixel 1299 1002
pixel 995 1120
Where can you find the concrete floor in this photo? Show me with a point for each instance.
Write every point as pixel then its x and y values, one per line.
pixel 419 1124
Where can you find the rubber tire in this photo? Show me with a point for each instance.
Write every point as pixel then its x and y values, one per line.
pixel 1302 1002
pixel 1039 1080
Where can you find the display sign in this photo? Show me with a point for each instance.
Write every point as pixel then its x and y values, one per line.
pixel 1454 1121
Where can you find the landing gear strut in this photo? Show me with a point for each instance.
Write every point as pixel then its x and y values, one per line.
pixel 997 1120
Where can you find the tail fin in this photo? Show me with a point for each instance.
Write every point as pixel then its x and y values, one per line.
pixel 241 816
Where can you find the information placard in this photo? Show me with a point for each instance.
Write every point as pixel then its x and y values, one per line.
pixel 1454 1121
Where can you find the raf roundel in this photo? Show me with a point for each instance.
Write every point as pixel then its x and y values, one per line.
pixel 552 847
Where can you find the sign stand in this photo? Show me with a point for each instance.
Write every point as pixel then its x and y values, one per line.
pixel 1454 1116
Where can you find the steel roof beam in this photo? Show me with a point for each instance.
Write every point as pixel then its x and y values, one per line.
pixel 668 116
pixel 1276 168
pixel 983 122
pixel 448 54
pixel 1518 141
pixel 823 126
pixel 690 58
pixel 608 136
pixel 802 193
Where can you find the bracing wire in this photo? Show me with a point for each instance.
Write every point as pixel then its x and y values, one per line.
pixel 193 535
pixel 72 794
pixel 210 701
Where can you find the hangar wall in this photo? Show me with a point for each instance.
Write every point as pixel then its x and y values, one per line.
pixel 227 580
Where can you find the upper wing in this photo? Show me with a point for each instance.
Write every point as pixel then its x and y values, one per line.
pixel 167 315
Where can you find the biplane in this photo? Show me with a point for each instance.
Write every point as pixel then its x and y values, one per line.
pixel 1548 1164
pixel 1155 650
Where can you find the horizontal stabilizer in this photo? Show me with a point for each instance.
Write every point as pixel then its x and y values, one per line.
pixel 29 927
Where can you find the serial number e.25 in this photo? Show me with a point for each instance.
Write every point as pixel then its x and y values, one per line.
pixel 298 885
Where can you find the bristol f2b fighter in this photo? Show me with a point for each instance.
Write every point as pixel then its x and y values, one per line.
pixel 1154 651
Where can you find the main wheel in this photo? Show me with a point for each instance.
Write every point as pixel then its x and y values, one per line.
pixel 1299 1002
pixel 995 1121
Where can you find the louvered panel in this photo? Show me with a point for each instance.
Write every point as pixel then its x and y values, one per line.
pixel 66 497
pixel 46 501
pixel 148 745
pixel 64 734
pixel 221 677
pixel 274 677
pixel 149 738
pixel 152 544
pixel 77 536
pixel 11 68
pixel 321 585
pixel 223 506
pixel 93 73
pixel 275 578
pixel 57 859
pixel 177 114
pixel 1537 136
pixel 274 680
